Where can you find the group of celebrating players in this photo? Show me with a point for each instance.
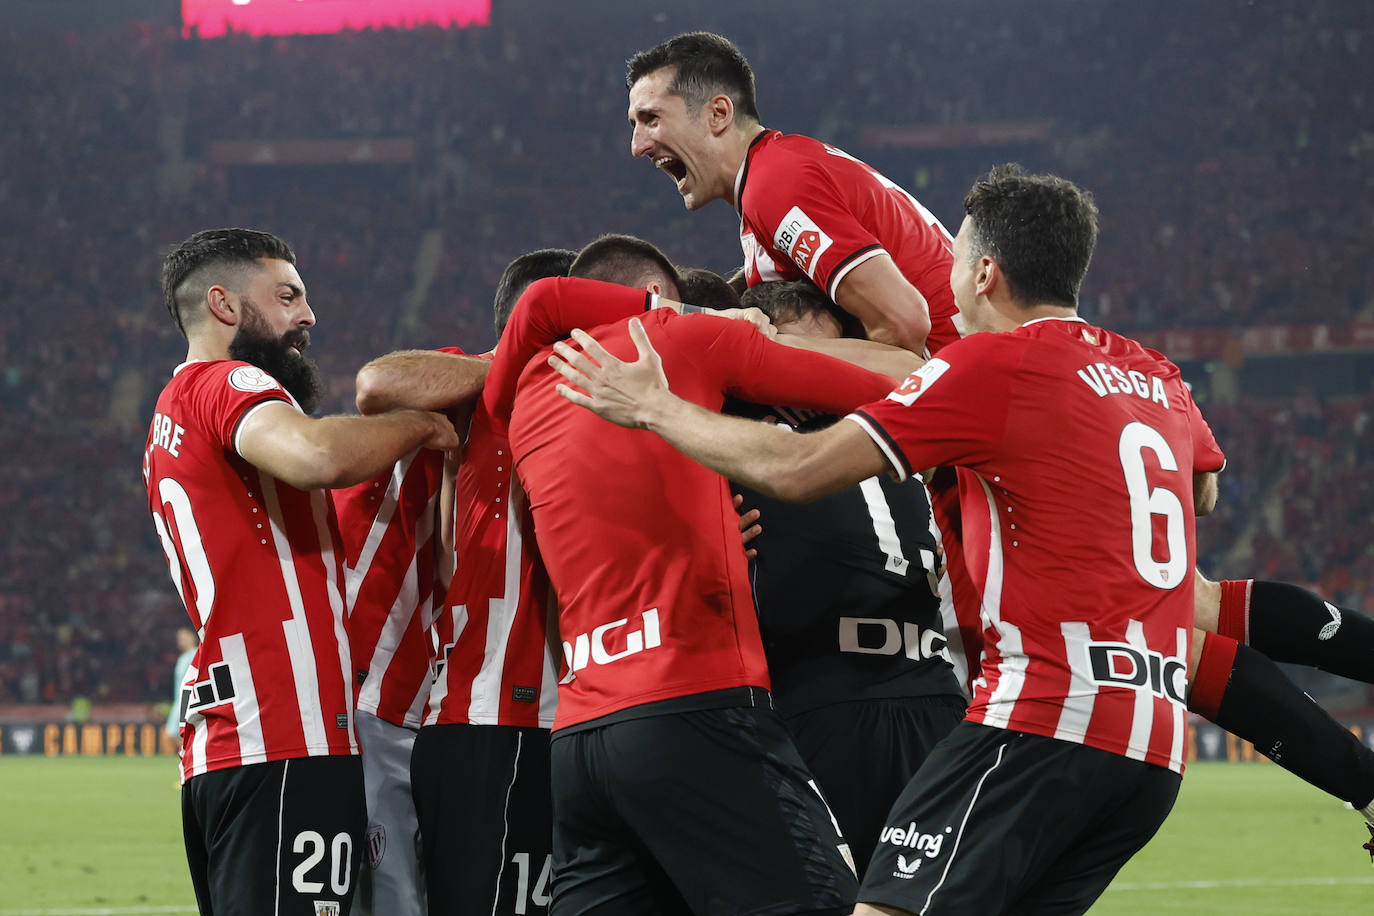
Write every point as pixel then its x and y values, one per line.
pixel 877 589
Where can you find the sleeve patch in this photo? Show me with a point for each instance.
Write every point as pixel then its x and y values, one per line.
pixel 801 239
pixel 251 379
pixel 917 382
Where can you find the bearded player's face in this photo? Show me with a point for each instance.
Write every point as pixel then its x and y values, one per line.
pixel 273 334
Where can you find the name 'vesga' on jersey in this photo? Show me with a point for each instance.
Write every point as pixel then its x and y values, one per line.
pixel 883 636
pixel 1105 379
pixel 590 648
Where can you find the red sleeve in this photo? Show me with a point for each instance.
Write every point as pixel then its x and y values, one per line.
pixel 1207 455
pixel 226 391
pixel 754 368
pixel 804 214
pixel 546 312
pixel 930 420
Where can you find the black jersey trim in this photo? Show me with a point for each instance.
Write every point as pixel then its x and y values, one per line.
pixel 841 269
pixel 744 176
pixel 892 445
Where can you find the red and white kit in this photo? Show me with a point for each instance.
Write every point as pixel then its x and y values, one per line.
pixel 1086 573
pixel 807 208
pixel 259 567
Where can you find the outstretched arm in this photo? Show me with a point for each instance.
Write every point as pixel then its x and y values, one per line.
pixel 774 461
pixel 419 379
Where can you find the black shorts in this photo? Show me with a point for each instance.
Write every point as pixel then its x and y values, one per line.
pixel 283 837
pixel 864 753
pixel 705 811
pixel 482 798
pixel 1000 821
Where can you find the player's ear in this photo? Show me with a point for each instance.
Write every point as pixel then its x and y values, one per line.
pixel 720 114
pixel 222 305
pixel 987 276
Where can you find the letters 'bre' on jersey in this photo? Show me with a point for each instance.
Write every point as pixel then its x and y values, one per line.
pixel 259 567
pixel 643 544
pixel 847 596
pixel 809 209
pixel 1077 524
pixel 497 663
pixel 396 574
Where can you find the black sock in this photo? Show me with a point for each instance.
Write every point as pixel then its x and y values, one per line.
pixel 1285 725
pixel 1291 624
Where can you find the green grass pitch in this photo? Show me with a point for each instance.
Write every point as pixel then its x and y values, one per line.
pixel 88 836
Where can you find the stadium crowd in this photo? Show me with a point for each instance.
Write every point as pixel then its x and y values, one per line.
pixel 1234 192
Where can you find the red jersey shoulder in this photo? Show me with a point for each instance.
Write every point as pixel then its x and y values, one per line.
pixel 218 393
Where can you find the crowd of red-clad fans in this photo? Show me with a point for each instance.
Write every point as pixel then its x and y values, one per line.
pixel 1228 144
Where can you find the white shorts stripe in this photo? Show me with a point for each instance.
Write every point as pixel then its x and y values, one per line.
pixel 281 812
pixel 505 821
pixel 958 837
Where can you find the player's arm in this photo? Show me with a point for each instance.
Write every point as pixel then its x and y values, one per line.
pixel 763 457
pixel 895 362
pixel 419 379
pixel 892 310
pixel 1204 493
pixel 332 452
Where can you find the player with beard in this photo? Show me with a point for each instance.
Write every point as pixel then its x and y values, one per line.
pixel 272 794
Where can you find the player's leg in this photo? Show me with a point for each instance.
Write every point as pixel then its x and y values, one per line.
pixel 1245 693
pixel 599 868
pixel 992 811
pixel 390 881
pixel 193 833
pixel 1288 624
pixel 285 837
pixel 864 753
pixel 723 802
pixel 482 799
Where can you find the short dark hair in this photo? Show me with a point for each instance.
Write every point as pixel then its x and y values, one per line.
pixel 785 301
pixel 206 259
pixel 705 288
pixel 707 65
pixel 1040 229
pixel 626 260
pixel 520 273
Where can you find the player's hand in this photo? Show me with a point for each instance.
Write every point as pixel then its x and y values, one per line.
pixel 442 437
pixel 748 527
pixel 754 316
pixel 624 393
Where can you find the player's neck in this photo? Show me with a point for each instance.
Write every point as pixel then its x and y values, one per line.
pixel 739 151
pixel 1035 313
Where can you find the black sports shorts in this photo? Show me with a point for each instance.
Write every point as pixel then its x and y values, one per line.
pixel 863 753
pixel 283 837
pixel 706 811
pixel 999 821
pixel 482 798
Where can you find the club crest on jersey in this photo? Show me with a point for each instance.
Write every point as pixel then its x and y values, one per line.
pixel 801 239
pixel 917 382
pixel 376 844
pixel 251 379
pixel 326 907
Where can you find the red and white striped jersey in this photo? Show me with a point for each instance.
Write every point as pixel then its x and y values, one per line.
pixel 497 660
pixel 1077 530
pixel 809 209
pixel 258 565
pixel 396 577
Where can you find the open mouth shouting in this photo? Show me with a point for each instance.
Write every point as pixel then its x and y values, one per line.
pixel 676 169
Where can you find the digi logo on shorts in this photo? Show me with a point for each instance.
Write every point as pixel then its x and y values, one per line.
pixel 917 382
pixel 611 642
pixel 801 239
pixel 1118 664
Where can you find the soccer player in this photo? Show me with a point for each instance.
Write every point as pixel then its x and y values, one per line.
pixel 397 572
pixel 480 764
pixel 272 794
pixel 849 610
pixel 675 784
pixel 806 208
pixel 1089 456
pixel 186 649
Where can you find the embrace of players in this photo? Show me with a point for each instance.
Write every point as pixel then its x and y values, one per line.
pixel 820 619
